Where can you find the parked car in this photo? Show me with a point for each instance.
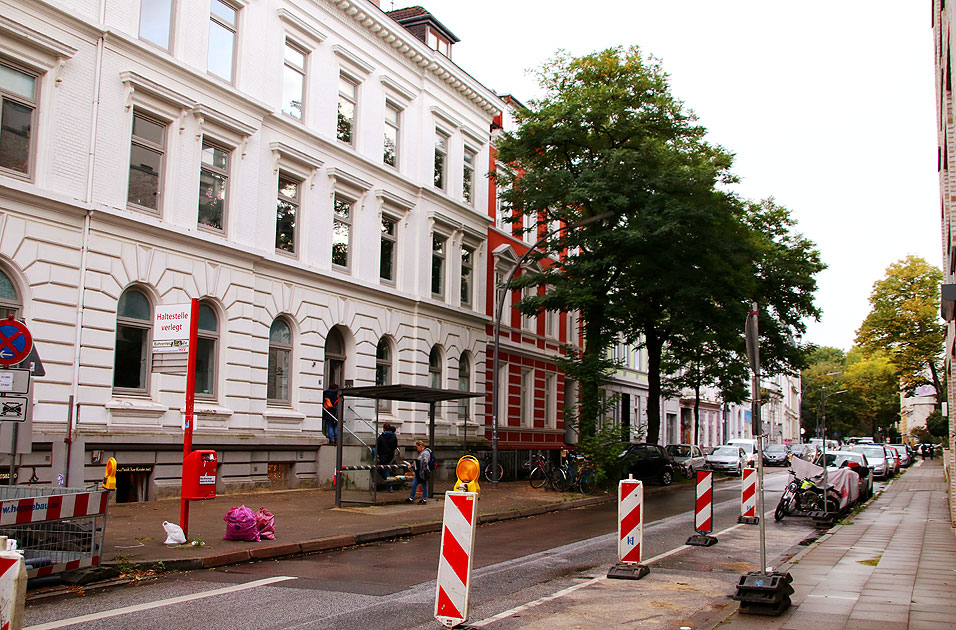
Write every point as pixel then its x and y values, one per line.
pixel 906 458
pixel 892 458
pixel 688 456
pixel 803 451
pixel 858 463
pixel 728 458
pixel 750 450
pixel 876 456
pixel 649 461
pixel 776 455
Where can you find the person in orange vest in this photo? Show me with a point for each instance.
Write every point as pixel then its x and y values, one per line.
pixel 330 407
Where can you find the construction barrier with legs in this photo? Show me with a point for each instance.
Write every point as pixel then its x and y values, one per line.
pixel 630 531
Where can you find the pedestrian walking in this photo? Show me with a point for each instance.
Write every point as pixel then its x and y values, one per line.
pixel 922 451
pixel 423 469
pixel 330 410
pixel 932 451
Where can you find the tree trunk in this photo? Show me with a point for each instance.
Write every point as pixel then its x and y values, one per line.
pixel 936 383
pixel 654 347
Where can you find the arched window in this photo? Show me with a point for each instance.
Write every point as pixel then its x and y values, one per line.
pixel 434 367
pixel 383 369
pixel 280 360
pixel 206 349
pixel 334 359
pixel 9 300
pixel 134 319
pixel 464 384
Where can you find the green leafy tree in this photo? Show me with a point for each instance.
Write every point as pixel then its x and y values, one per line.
pixel 904 322
pixel 607 140
pixel 937 425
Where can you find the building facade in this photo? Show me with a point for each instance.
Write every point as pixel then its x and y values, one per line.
pixel 308 170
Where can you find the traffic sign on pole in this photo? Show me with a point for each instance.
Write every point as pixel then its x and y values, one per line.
pixel 15 342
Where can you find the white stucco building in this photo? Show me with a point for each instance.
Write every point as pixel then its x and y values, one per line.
pixel 309 170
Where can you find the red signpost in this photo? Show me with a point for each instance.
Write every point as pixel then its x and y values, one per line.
pixel 190 405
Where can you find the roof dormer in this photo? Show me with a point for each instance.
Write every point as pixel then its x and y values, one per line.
pixel 425 27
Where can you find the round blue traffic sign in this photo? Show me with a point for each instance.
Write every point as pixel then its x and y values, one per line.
pixel 15 342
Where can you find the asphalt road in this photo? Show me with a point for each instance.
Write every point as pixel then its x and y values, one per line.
pixel 392 585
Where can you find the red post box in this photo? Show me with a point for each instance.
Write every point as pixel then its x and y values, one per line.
pixel 199 476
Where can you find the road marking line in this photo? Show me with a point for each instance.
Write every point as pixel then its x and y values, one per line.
pixel 575 587
pixel 158 604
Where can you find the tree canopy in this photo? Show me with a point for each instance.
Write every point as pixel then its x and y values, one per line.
pixel 675 259
pixel 904 323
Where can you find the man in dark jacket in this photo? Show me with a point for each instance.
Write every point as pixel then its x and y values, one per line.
pixel 330 410
pixel 385 447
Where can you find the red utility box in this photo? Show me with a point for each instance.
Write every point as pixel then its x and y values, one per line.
pixel 199 475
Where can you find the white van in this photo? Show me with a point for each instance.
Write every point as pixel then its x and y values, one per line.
pixel 750 448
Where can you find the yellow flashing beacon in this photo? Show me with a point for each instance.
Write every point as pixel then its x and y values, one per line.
pixel 468 470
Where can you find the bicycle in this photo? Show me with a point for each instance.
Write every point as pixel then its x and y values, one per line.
pixel 587 479
pixel 543 472
pixel 580 473
pixel 484 459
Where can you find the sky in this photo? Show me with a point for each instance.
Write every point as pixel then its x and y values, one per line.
pixel 828 105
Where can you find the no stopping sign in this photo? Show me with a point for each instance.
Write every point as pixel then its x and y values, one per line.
pixel 15 342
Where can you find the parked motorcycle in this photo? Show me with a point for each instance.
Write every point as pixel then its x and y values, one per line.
pixel 804 495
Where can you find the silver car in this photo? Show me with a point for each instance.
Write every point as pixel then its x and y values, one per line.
pixel 731 459
pixel 689 456
pixel 876 457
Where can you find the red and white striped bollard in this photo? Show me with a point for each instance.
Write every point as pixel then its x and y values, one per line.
pixel 704 511
pixel 630 531
pixel 453 591
pixel 748 497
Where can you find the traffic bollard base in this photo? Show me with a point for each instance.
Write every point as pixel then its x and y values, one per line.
pixel 628 571
pixel 748 520
pixel 764 594
pixel 702 540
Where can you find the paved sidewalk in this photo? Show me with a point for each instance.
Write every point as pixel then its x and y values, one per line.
pixel 306 521
pixel 892 567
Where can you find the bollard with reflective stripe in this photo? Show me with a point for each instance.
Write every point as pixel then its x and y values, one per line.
pixel 630 531
pixel 704 511
pixel 13 589
pixel 454 564
pixel 748 497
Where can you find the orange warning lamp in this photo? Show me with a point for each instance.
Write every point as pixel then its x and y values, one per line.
pixel 468 470
pixel 109 479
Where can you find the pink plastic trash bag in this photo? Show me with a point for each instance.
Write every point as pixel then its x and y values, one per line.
pixel 267 524
pixel 241 525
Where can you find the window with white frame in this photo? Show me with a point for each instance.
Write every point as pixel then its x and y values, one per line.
pixel 341 231
pixel 551 324
pixel 293 81
pixel 441 159
pixel 345 117
pixel 528 321
pixel 503 209
pixel 155 22
pixel 393 119
pixel 435 368
pixel 550 400
pixel 146 161
pixel 383 369
pixel 213 185
pixel 287 212
pixel 223 27
pixel 278 391
pixel 207 341
pixel 9 299
pixel 134 321
pixel 527 397
pixel 438 266
pixel 464 385
pixel 467 274
pixel 389 249
pixel 18 103
pixel 468 176
pixel 503 390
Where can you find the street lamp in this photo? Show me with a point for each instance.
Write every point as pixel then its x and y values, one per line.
pixel 498 313
pixel 804 386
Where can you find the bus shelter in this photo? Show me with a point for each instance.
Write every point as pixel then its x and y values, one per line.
pixel 357 480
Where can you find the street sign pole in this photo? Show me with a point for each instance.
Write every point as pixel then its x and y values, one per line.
pixel 190 406
pixel 753 354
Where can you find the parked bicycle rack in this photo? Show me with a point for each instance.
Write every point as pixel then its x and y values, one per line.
pixel 58 529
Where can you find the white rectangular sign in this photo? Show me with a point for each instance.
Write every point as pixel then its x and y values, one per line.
pixel 13 408
pixel 14 381
pixel 171 328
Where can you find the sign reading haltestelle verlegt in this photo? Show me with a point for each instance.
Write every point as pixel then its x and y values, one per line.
pixel 171 328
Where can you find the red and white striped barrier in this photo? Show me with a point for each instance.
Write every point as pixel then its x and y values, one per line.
pixel 630 520
pixel 454 565
pixel 50 508
pixel 748 496
pixel 704 511
pixel 13 589
pixel 630 531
